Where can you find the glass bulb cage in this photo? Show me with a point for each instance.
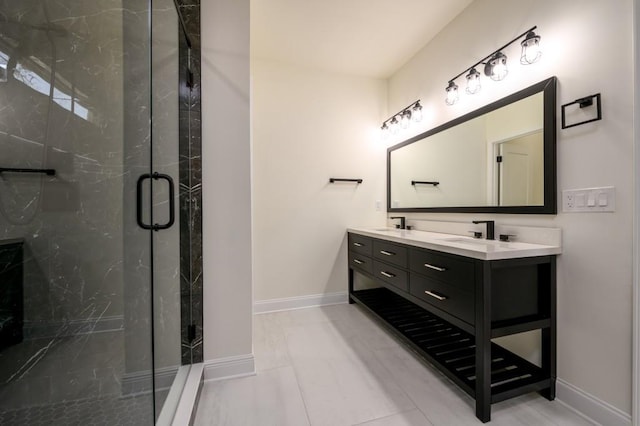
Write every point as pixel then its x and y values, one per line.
pixel 452 93
pixel 473 82
pixel 416 113
pixel 496 67
pixel 530 49
pixel 385 130
pixel 405 119
pixel 394 126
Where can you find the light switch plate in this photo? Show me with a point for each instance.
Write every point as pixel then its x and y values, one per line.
pixel 587 200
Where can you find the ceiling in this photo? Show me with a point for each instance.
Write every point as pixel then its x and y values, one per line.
pixel 372 38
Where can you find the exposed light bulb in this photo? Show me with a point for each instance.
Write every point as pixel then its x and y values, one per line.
pixel 385 130
pixel 530 49
pixel 417 112
pixel 496 67
pixel 452 93
pixel 473 82
pixel 394 126
pixel 406 119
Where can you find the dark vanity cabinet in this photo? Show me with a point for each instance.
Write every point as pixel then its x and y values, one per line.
pixel 448 307
pixel 11 293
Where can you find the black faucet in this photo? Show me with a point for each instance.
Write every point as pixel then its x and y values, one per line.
pixel 402 221
pixel 491 228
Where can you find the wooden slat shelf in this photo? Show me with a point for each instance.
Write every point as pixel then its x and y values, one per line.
pixel 450 347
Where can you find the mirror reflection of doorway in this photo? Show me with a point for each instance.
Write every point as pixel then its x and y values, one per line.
pixel 520 178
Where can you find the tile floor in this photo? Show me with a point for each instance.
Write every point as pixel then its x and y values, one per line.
pixel 334 365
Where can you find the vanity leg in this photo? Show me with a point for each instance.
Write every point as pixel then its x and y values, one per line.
pixel 548 343
pixel 483 342
pixel 351 301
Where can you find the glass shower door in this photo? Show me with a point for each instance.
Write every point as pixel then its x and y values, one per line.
pixel 82 285
pixel 168 239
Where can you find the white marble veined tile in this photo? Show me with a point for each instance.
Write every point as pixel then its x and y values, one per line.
pixel 270 398
pixel 408 418
pixel 269 343
pixel 341 382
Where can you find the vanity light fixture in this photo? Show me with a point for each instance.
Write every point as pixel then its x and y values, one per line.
pixel 473 81
pixel 495 65
pixel 402 119
pixel 530 49
pixel 452 93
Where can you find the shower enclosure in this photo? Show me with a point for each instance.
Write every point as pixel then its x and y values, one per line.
pixel 94 101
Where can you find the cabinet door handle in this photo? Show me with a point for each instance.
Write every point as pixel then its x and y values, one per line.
pixel 387 274
pixel 358 262
pixel 358 244
pixel 436 295
pixel 387 253
pixel 437 268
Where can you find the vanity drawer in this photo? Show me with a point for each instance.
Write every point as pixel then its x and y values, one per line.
pixel 444 296
pixel 390 274
pixel 450 269
pixel 360 244
pixel 358 261
pixel 390 253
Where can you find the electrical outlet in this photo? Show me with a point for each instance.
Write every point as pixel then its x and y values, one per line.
pixel 589 200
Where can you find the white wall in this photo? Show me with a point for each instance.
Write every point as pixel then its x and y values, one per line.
pixel 587 44
pixel 309 126
pixel 226 176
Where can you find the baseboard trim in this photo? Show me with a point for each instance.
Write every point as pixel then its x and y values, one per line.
pixel 593 408
pixel 229 368
pixel 288 303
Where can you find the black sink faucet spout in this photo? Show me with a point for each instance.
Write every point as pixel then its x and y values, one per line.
pixel 403 224
pixel 491 228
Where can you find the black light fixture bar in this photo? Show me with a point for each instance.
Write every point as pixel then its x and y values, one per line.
pixel 482 61
pixel 401 111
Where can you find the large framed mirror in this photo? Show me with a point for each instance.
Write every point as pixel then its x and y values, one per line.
pixel 500 158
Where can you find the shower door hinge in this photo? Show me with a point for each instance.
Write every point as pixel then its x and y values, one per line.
pixel 191 332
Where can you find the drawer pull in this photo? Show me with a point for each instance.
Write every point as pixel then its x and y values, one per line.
pixel 436 295
pixel 437 268
pixel 358 244
pixel 388 274
pixel 358 261
pixel 387 253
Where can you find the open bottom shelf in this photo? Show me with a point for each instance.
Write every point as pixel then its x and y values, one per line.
pixel 450 348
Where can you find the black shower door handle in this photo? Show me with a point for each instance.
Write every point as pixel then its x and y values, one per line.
pixel 172 202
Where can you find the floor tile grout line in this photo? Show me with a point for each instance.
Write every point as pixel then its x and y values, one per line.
pixel 295 373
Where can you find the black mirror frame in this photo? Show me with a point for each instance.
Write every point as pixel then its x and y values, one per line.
pixel 548 87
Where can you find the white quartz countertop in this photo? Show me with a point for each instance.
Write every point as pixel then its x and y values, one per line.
pixel 460 245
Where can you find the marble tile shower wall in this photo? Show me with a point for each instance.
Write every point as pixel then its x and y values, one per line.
pixel 191 189
pixel 73 275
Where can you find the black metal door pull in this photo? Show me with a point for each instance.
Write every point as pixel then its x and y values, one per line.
pixel 172 214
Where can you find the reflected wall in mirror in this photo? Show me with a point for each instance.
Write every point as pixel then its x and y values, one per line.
pixel 498 159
